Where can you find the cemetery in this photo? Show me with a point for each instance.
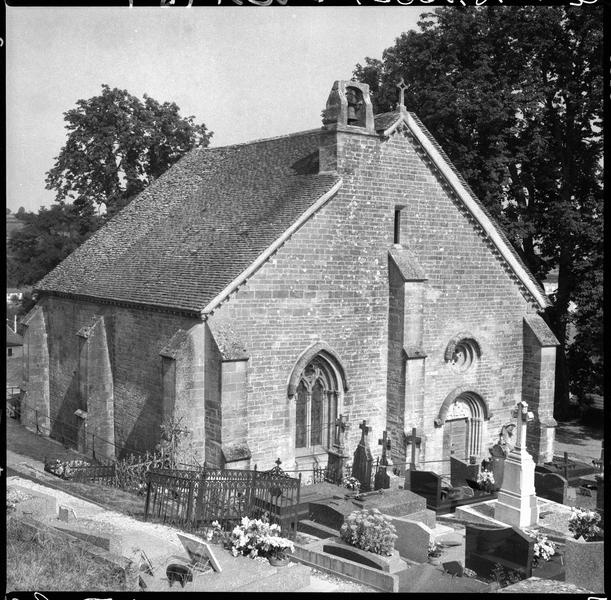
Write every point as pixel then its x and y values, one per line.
pixel 420 532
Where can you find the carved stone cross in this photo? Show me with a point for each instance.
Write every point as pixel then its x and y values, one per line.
pixel 365 430
pixel 402 87
pixel 523 416
pixel 385 443
pixel 340 427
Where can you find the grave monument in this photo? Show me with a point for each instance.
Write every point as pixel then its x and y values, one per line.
pixel 517 501
pixel 363 459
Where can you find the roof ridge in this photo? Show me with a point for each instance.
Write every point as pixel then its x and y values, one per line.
pixel 262 140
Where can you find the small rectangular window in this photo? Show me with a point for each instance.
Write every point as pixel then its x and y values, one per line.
pixel 397 237
pixel 10 351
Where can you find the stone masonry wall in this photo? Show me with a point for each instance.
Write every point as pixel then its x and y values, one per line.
pixel 330 282
pixel 134 339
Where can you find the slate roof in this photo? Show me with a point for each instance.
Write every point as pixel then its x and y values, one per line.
pixel 189 234
pixel 385 120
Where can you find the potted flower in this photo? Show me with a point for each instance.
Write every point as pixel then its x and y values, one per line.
pixel 434 553
pixel 485 481
pixel 277 549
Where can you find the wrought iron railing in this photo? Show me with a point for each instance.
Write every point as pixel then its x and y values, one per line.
pixel 194 499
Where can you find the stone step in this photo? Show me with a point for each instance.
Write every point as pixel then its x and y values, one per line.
pixel 317 529
pixel 439 531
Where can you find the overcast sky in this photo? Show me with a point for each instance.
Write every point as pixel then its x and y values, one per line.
pixel 246 72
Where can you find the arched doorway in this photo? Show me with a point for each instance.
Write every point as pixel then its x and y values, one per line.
pixel 463 416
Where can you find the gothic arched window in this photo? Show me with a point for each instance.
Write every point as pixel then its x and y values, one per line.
pixel 316 406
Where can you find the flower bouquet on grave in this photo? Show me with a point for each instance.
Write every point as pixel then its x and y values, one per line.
pixel 277 549
pixel 584 523
pixel 353 484
pixel 543 550
pixel 485 481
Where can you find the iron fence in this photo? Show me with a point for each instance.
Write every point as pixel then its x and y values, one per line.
pixel 194 499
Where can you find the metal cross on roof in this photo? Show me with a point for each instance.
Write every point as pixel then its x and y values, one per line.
pixel 402 87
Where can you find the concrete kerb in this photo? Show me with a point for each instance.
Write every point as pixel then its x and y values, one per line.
pixel 128 568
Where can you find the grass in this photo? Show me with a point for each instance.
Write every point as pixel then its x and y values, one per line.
pixel 36 561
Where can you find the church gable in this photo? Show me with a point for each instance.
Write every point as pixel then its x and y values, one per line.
pixel 404 124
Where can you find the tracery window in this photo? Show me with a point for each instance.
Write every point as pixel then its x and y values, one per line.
pixel 316 407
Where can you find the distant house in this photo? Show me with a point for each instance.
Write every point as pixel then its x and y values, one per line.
pixel 13 295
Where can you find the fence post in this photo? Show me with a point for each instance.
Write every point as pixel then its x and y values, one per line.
pixel 148 498
pixel 565 467
pixel 93 445
pixel 190 503
pixel 36 417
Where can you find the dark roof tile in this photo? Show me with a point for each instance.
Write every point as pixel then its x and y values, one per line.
pixel 190 233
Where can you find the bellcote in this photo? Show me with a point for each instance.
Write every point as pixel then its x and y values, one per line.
pixel 349 108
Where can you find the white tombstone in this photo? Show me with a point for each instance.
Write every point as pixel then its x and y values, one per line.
pixel 517 501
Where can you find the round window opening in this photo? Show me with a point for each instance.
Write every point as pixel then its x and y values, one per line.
pixel 462 353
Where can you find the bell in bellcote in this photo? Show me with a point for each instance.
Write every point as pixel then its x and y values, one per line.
pixel 354 106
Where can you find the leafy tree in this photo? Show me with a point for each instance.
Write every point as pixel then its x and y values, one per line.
pixel 46 239
pixel 514 95
pixel 117 145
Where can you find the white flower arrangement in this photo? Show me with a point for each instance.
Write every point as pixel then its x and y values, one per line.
pixel 274 545
pixel 64 468
pixel 352 483
pixel 584 523
pixel 485 480
pixel 255 537
pixel 543 549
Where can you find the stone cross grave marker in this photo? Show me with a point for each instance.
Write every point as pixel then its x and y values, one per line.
pixel 337 454
pixel 363 459
pixel 523 416
pixel 382 479
pixel 517 501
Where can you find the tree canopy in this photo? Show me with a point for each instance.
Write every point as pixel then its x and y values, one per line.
pixel 46 239
pixel 117 145
pixel 514 96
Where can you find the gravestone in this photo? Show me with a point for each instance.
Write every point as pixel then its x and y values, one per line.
pixel 34 503
pixel 600 497
pixel 66 514
pixel 461 470
pixel 551 486
pixel 413 539
pixel 517 501
pixel 394 503
pixel 337 453
pixel 199 552
pixel 585 564
pixel 363 459
pixel 509 547
pixel 382 480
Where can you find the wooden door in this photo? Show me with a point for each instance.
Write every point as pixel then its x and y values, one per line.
pixel 455 439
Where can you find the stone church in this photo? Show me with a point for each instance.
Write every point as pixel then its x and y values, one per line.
pixel 260 290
